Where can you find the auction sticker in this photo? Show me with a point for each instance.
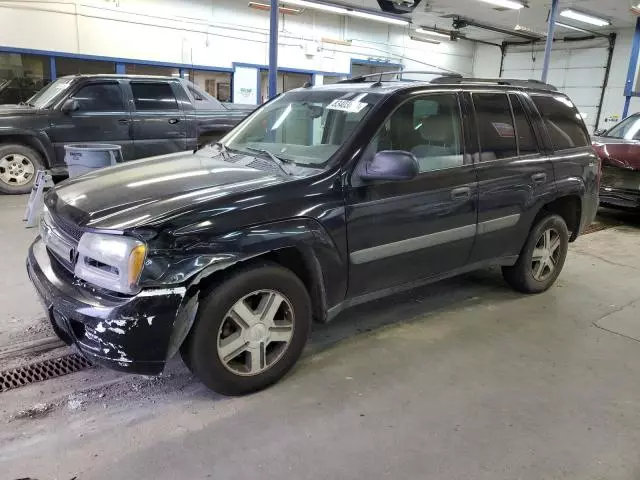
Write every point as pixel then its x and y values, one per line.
pixel 351 106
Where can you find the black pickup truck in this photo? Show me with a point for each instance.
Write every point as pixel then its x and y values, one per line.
pixel 324 198
pixel 145 115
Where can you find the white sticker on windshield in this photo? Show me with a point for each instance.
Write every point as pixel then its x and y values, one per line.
pixel 351 106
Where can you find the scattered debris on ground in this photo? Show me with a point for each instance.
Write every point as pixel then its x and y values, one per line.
pixel 38 410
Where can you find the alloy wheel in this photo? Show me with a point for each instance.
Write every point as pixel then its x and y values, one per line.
pixel 255 332
pixel 16 169
pixel 546 254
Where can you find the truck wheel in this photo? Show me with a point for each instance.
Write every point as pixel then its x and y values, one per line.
pixel 542 256
pixel 18 167
pixel 249 330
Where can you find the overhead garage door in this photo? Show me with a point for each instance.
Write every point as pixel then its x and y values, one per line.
pixel 576 68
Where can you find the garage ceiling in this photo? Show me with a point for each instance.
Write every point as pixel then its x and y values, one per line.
pixel 431 12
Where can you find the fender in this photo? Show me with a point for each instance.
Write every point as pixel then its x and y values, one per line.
pixel 200 257
pixel 36 139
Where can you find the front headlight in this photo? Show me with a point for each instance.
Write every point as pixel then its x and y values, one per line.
pixel 114 262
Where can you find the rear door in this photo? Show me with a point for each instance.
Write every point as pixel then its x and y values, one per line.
pixel 159 124
pixel 403 231
pixel 102 117
pixel 514 172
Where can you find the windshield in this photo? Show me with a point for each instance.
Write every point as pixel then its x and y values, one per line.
pixel 45 96
pixel 303 126
pixel 629 129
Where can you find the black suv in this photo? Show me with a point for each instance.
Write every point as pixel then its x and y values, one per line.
pixel 323 198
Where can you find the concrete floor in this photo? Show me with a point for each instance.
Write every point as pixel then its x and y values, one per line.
pixel 460 380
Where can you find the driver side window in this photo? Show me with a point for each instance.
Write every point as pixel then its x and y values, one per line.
pixel 429 127
pixel 100 97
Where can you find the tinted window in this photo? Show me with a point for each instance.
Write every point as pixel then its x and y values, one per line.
pixel 153 96
pixel 527 144
pixel 428 127
pixel 100 97
pixel 564 123
pixel 495 126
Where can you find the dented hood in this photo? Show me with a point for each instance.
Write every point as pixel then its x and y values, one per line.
pixel 154 190
pixel 618 152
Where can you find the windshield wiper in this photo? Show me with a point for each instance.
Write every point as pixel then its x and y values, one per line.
pixel 223 150
pixel 275 159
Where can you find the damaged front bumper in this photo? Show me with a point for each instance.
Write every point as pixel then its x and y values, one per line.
pixel 136 334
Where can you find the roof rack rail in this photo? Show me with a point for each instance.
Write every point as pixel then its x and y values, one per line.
pixel 532 83
pixel 399 73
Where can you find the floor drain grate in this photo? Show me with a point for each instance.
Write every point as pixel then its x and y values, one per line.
pixel 43 370
pixel 597 227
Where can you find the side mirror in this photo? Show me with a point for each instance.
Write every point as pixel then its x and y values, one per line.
pixel 70 105
pixel 389 165
pixel 599 132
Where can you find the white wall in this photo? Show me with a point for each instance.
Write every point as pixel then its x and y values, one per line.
pixel 204 32
pixel 486 62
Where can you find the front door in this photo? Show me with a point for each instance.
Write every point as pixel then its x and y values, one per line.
pixel 403 231
pixel 159 125
pixel 102 117
pixel 515 175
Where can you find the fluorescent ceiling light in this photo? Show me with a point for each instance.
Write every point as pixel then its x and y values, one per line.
pixel 434 33
pixel 571 27
pixel 266 7
pixel 325 7
pixel 426 40
pixel 585 18
pixel 318 6
pixel 512 4
pixel 377 18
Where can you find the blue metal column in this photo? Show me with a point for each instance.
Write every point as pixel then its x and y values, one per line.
pixel 273 49
pixel 52 68
pixel 549 45
pixel 120 68
pixel 631 73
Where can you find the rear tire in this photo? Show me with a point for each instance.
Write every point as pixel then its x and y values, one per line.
pixel 18 167
pixel 542 257
pixel 249 330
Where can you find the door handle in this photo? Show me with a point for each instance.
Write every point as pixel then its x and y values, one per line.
pixel 460 193
pixel 123 120
pixel 173 121
pixel 539 177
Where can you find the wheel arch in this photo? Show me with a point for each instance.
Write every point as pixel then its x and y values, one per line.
pixel 31 140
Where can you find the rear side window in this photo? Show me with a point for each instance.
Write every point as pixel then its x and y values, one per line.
pixel 495 126
pixel 527 144
pixel 153 96
pixel 100 97
pixel 564 123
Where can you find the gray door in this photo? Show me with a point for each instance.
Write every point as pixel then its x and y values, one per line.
pixel 102 117
pixel 159 125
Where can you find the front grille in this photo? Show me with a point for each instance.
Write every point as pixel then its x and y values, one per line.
pixel 618 178
pixel 61 244
pixel 69 229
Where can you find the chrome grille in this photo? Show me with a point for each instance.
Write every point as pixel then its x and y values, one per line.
pixel 59 243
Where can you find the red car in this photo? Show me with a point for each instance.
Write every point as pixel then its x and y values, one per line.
pixel 619 150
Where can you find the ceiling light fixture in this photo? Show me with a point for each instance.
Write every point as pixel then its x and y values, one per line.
pixel 571 27
pixel 377 18
pixel 424 31
pixel 318 6
pixel 426 40
pixel 326 7
pixel 585 18
pixel 266 7
pixel 512 4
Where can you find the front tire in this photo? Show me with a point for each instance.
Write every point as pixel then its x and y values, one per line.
pixel 249 330
pixel 18 167
pixel 542 257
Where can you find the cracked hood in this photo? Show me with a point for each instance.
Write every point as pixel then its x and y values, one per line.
pixel 154 190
